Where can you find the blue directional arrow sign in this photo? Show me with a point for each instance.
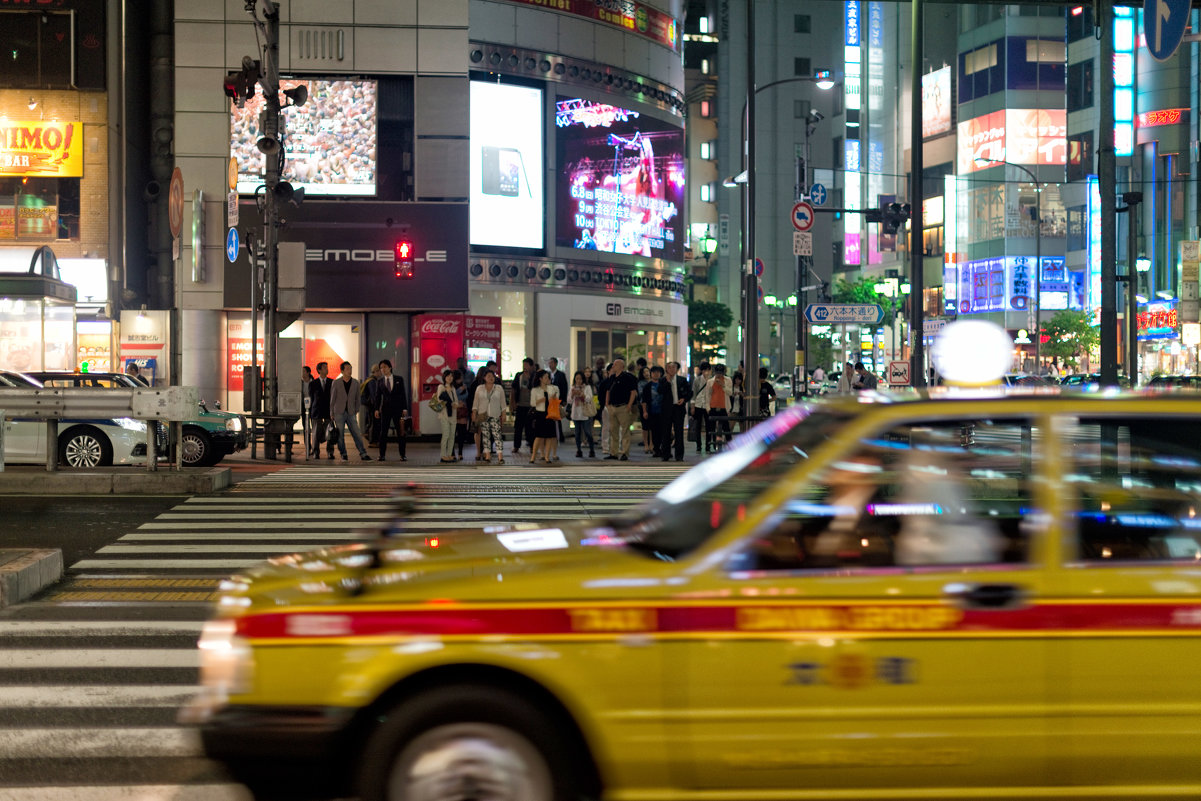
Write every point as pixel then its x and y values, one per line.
pixel 231 245
pixel 865 313
pixel 1164 22
pixel 817 195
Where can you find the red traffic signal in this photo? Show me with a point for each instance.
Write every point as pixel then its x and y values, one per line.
pixel 404 258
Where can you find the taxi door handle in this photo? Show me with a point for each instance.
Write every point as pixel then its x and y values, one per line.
pixel 985 596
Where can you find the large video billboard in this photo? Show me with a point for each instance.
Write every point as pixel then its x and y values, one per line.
pixel 506 165
pixel 620 185
pixel 330 140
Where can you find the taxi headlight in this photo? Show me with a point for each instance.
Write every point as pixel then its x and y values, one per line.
pixel 233 424
pixel 226 664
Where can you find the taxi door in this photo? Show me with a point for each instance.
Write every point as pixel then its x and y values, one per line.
pixel 24 440
pixel 882 627
pixel 1130 680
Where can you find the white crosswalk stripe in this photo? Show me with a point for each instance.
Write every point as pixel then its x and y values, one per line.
pixel 93 672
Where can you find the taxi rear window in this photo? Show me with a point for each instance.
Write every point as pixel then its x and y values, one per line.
pixel 1136 489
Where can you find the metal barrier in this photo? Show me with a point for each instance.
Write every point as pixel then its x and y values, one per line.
pixel 152 405
pixel 273 432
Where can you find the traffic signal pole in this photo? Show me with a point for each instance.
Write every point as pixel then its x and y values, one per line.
pixel 917 279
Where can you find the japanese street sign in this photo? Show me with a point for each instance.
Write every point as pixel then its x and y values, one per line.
pixel 867 313
pixel 1164 22
pixel 802 243
pixel 231 210
pixel 898 374
pixel 231 245
pixel 802 216
pixel 818 195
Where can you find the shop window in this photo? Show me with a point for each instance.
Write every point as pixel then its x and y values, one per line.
pixel 39 209
pixel 1077 239
pixel 1080 155
pixel 37 49
pixel 1080 85
pixel 952 492
pixel 932 241
pixel 1080 23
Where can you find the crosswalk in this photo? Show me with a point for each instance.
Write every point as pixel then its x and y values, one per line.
pixel 93 671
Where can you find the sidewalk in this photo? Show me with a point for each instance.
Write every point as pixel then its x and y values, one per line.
pixel 422 452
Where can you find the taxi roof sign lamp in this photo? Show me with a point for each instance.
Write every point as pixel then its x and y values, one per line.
pixel 972 353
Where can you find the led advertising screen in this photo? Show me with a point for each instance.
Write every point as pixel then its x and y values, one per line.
pixel 506 165
pixel 620 186
pixel 330 140
pixel 507 190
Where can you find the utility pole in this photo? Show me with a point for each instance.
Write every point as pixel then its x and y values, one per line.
pixel 1107 185
pixel 273 154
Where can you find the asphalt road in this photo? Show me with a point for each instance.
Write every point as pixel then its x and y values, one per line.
pixel 78 524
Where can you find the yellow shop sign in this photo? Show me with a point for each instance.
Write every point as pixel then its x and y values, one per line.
pixel 41 148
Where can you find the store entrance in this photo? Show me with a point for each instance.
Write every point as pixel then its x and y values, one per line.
pixel 608 341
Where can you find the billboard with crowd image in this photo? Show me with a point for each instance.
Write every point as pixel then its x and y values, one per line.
pixel 330 141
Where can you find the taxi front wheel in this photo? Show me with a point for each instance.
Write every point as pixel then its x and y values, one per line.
pixel 466 742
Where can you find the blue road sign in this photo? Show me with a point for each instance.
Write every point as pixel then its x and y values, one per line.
pixel 817 195
pixel 231 245
pixel 866 313
pixel 1164 22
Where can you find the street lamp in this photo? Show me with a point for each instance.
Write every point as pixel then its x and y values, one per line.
pixel 708 245
pixel 824 80
pixel 1036 307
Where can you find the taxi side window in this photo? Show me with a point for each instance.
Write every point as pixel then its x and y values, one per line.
pixel 1137 489
pixel 921 494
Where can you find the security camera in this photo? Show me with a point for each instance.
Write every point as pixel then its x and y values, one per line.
pixel 815 115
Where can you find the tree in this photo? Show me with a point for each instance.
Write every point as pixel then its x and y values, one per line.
pixel 707 324
pixel 862 291
pixel 1068 336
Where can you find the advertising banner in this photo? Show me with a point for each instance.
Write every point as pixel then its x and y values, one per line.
pixel 936 102
pixel 1020 136
pixel 38 148
pixel 506 172
pixel 621 181
pixel 1158 320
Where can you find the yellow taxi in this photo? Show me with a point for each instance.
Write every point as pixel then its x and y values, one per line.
pixel 938 595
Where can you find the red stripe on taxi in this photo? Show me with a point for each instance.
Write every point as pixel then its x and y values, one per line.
pixel 701 620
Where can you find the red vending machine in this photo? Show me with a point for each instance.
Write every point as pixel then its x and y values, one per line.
pixel 439 341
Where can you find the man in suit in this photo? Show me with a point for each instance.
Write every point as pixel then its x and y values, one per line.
pixel 319 391
pixel 559 379
pixel 391 408
pixel 676 394
pixel 344 403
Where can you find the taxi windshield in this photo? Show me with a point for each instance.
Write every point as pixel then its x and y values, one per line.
pixel 692 508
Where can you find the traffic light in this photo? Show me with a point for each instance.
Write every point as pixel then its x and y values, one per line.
pixel 239 86
pixel 894 217
pixel 404 259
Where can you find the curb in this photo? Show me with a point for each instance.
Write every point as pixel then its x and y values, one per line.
pixel 37 481
pixel 23 573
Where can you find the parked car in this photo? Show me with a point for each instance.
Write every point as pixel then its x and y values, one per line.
pixel 81 443
pixel 206 439
pixel 1175 382
pixel 1089 381
pixel 969 596
pixel 1028 380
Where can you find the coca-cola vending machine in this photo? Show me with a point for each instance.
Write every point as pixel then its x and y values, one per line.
pixel 439 341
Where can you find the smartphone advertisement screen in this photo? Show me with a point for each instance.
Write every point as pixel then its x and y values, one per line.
pixel 506 165
pixel 620 181
pixel 330 140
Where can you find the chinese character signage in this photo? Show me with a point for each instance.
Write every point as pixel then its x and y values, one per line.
pixel 39 148
pixel 1158 320
pixel 851 39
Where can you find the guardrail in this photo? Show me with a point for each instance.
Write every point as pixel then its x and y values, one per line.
pixel 152 405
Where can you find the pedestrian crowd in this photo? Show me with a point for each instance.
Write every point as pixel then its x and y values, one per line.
pixel 609 405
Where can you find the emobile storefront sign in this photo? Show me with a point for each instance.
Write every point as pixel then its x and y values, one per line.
pixel 1019 136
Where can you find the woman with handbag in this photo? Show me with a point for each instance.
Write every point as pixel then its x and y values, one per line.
pixel 544 408
pixel 583 408
pixel 488 411
pixel 444 404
